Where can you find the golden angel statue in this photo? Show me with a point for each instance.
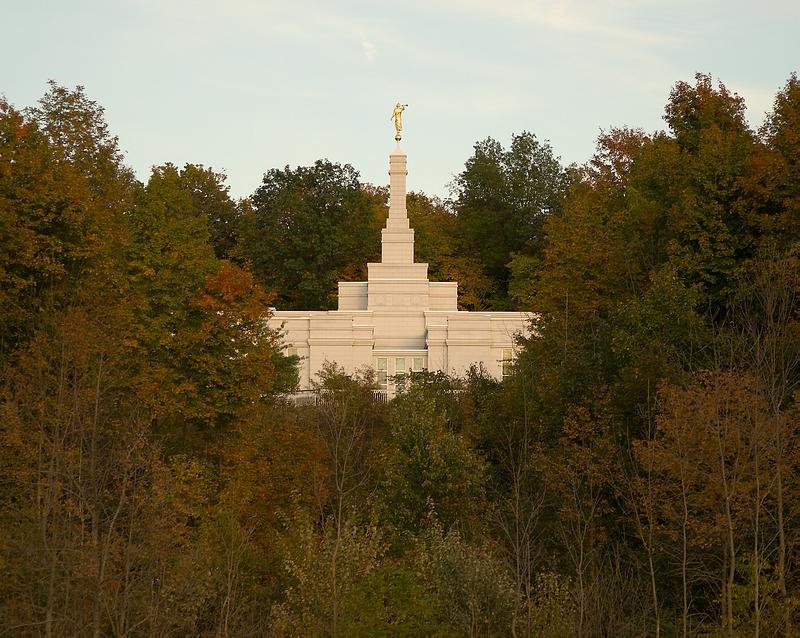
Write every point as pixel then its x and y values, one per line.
pixel 397 116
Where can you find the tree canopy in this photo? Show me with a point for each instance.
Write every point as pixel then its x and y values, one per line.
pixel 309 227
pixel 502 198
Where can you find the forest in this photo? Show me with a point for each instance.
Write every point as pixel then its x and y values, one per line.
pixel 636 474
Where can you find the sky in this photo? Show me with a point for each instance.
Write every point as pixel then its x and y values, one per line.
pixel 244 86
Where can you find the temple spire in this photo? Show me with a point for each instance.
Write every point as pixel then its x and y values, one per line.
pixel 397 239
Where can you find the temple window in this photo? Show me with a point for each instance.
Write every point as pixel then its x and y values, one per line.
pixel 382 370
pixel 506 361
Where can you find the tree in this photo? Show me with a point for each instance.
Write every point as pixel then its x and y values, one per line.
pixel 88 525
pixel 580 472
pixel 429 470
pixel 75 125
pixel 325 571
pixel 472 589
pixel 222 358
pixel 502 198
pixel 656 225
pixel 714 459
pixel 718 230
pixel 347 420
pixel 205 350
pixel 780 178
pixel 766 313
pixel 210 198
pixel 503 425
pixel 440 242
pixel 392 601
pixel 309 227
pixel 63 192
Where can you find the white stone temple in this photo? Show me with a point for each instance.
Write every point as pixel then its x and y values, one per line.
pixel 397 321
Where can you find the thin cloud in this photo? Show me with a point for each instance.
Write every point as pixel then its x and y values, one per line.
pixel 369 49
pixel 562 15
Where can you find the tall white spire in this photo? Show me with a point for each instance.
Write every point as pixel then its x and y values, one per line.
pixel 397 239
pixel 397 184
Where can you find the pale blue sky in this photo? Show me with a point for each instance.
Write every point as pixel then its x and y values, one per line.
pixel 248 85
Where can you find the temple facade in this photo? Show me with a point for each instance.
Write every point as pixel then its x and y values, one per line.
pixel 398 322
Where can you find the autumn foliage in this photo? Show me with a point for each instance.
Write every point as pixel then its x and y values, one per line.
pixel 635 474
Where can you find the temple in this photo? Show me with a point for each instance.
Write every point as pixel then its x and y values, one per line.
pixel 397 321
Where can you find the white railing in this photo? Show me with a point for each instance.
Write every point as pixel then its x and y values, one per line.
pixel 315 397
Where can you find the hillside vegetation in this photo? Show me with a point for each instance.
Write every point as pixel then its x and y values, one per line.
pixel 635 475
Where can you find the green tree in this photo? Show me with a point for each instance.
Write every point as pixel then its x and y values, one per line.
pixel 502 198
pixel 210 198
pixel 440 242
pixel 429 470
pixel 674 211
pixel 780 178
pixel 171 254
pixel 323 570
pixel 716 232
pixel 76 126
pixel 205 351
pixel 503 423
pixel 63 192
pixel 472 588
pixel 392 601
pixel 309 228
